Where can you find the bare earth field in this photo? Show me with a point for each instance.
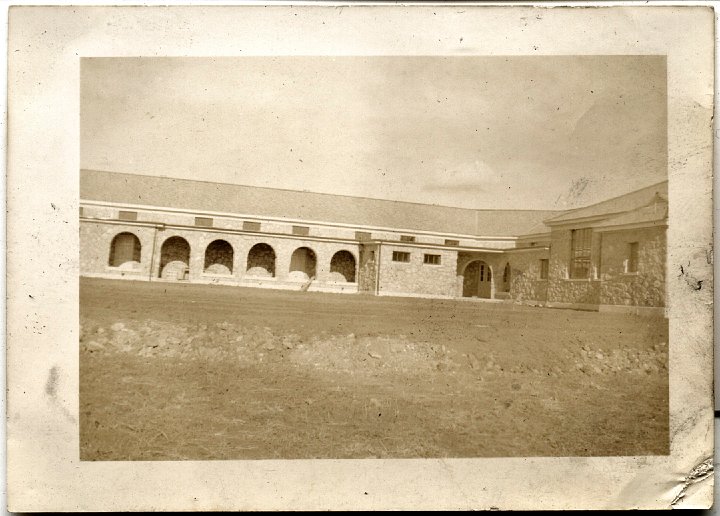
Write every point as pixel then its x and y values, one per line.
pixel 181 371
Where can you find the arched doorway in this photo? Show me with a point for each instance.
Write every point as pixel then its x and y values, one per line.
pixel 175 258
pixel 219 258
pixel 477 280
pixel 125 251
pixel 261 261
pixel 342 267
pixel 303 264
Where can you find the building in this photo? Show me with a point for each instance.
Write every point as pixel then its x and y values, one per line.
pixel 607 256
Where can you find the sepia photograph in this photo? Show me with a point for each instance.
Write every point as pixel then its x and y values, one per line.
pixel 373 257
pixel 316 256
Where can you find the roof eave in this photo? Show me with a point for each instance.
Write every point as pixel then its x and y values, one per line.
pixel 633 225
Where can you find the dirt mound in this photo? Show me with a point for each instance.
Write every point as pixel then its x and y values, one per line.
pixel 598 361
pixel 354 355
pixel 226 341
pixel 351 354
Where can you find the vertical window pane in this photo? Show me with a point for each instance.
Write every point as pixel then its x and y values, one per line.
pixel 544 268
pixel 580 253
pixel 633 257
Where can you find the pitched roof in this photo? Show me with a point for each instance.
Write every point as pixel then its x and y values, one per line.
pixel 192 195
pixel 538 229
pixel 616 205
pixel 652 214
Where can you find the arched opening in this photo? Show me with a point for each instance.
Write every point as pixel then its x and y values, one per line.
pixel 342 267
pixel 125 251
pixel 303 264
pixel 219 258
pixel 175 258
pixel 477 280
pixel 261 261
pixel 507 277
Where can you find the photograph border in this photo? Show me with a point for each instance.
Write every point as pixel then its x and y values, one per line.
pixel 45 47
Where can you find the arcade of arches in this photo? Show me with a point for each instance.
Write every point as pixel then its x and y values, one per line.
pixel 218 260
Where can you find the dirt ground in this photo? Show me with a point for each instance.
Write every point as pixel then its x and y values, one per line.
pixel 180 371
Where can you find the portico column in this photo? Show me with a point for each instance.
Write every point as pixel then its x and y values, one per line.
pixel 197 256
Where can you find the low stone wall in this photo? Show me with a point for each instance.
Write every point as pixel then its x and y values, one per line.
pixel 582 292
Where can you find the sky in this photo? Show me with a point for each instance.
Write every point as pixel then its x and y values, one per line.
pixel 516 132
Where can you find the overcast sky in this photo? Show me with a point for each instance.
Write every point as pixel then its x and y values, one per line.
pixel 476 132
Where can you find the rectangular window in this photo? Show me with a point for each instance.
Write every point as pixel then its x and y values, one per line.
pixel 632 263
pixel 452 242
pixel 82 211
pixel 580 253
pixel 204 221
pixel 362 236
pixel 251 226
pixel 407 238
pixel 431 259
pixel 127 215
pixel 301 230
pixel 544 268
pixel 400 256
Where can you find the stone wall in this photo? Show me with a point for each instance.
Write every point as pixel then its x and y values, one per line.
pixel 95 242
pixel 610 283
pixel 525 282
pixel 646 287
pixel 562 289
pixel 367 272
pixel 96 237
pixel 416 277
